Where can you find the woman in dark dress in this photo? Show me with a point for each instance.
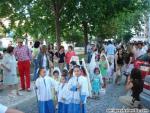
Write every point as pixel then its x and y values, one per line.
pixel 119 62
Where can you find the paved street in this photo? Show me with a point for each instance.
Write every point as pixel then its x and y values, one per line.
pixel 110 100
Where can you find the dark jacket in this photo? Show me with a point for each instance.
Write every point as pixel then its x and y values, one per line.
pixel 40 60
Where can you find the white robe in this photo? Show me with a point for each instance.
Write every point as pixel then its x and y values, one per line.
pixel 44 87
pixel 88 79
pixel 63 92
pixel 75 95
pixel 93 64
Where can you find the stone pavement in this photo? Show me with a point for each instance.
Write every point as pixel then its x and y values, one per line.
pixel 14 101
pixel 109 100
pixel 28 102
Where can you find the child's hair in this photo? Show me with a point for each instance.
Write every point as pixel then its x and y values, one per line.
pixel 73 63
pixel 96 70
pixel 136 74
pixel 56 72
pixel 40 70
pixel 64 72
pixel 64 77
pixel 76 66
pixel 103 56
pixel 83 70
pixel 70 73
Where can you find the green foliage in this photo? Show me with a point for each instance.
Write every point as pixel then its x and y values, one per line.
pixel 104 18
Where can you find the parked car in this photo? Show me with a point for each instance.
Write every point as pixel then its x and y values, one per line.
pixel 145 95
pixel 143 63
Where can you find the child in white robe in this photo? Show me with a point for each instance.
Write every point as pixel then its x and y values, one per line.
pixel 44 85
pixel 78 87
pixel 63 96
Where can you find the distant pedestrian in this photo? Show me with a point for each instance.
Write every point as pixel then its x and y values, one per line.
pixel 110 51
pixel 61 57
pixel 24 56
pixel 89 52
pixel 36 51
pixel 119 63
pixel 68 55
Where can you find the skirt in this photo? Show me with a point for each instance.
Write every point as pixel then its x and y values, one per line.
pixel 62 108
pixel 74 108
pixel 46 106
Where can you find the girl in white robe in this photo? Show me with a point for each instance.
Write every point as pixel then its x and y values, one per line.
pixel 63 96
pixel 44 85
pixel 78 87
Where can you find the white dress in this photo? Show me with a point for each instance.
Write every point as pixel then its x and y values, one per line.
pixel 10 78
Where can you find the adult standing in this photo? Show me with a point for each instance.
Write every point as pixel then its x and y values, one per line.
pixel 110 51
pixel 23 55
pixel 9 65
pixel 61 57
pixel 68 55
pixel 119 62
pixel 35 53
pixel 89 51
pixel 50 52
pixel 43 60
pixel 140 51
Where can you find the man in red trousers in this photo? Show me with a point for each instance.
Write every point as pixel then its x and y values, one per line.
pixel 23 55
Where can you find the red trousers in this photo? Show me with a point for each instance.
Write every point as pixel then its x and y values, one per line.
pixel 24 72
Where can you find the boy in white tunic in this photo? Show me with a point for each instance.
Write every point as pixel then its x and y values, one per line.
pixel 44 85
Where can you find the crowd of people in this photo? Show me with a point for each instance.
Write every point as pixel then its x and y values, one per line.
pixel 65 82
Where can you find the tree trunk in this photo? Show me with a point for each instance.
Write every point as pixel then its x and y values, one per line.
pixel 57 22
pixel 57 25
pixel 85 31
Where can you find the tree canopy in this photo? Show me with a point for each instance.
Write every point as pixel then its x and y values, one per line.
pixel 58 20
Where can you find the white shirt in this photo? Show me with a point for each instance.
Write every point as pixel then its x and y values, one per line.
pixel 44 88
pixel 44 61
pixel 3 108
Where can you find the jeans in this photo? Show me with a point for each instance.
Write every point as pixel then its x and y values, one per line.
pixel 35 62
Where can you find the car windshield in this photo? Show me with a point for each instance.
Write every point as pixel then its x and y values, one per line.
pixel 144 57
